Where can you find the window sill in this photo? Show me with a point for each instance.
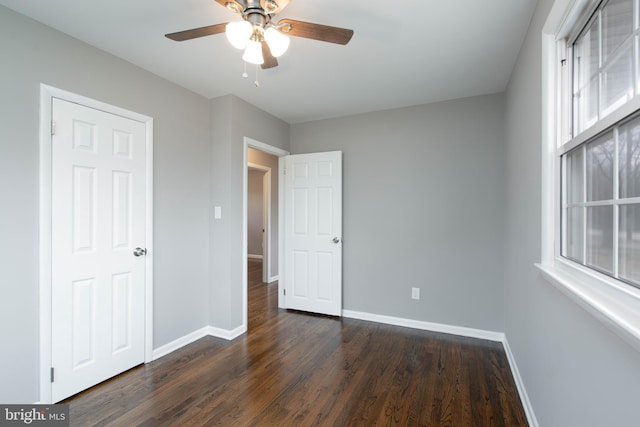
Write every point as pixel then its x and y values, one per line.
pixel 614 304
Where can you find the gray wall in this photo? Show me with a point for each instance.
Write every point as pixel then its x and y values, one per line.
pixel 265 159
pixel 422 207
pixel 34 54
pixel 576 372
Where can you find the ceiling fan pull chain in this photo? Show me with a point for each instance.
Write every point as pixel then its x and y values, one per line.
pixel 244 73
pixel 257 83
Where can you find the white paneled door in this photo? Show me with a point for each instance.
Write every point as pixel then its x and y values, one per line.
pixel 98 246
pixel 313 232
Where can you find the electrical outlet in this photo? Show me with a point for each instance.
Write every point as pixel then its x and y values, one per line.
pixel 415 293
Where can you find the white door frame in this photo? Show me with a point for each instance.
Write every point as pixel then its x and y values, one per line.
pixel 47 93
pixel 266 218
pixel 278 152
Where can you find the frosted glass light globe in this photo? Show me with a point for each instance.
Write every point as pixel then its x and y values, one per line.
pixel 238 33
pixel 278 42
pixel 253 53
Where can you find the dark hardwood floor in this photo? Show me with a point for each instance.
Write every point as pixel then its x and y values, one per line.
pixel 297 369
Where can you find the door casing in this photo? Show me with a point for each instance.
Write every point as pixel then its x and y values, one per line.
pixel 47 93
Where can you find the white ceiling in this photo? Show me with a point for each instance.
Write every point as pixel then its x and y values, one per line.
pixel 402 53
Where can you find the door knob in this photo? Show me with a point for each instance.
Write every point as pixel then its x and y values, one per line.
pixel 139 251
pixel 335 240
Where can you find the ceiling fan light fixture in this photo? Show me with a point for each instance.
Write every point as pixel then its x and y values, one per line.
pixel 239 33
pixel 253 53
pixel 278 42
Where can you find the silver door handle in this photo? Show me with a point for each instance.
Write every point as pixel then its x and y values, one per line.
pixel 335 240
pixel 139 251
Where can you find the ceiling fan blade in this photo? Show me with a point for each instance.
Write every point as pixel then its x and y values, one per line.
pixel 197 32
pixel 269 60
pixel 323 33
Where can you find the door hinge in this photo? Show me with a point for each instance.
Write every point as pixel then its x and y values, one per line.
pixel 563 62
pixel 285 291
pixel 52 375
pixel 53 127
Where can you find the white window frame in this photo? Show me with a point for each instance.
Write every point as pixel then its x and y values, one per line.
pixel 614 303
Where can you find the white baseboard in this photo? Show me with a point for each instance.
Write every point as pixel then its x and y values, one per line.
pixel 426 326
pixel 195 336
pixel 252 256
pixel 522 391
pixel 179 343
pixel 226 333
pixel 274 278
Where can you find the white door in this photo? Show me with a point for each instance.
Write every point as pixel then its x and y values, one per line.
pixel 98 221
pixel 313 232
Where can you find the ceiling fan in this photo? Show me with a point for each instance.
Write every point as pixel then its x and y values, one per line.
pixel 262 38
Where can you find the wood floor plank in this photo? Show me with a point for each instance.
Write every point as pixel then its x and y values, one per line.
pixel 301 369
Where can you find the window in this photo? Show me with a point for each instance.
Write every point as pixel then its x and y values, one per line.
pixel 600 160
pixel 590 248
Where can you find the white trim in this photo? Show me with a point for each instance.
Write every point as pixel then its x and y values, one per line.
pixel 274 278
pixel 522 391
pixel 266 220
pixel 47 93
pixel 281 283
pixel 45 211
pixel 425 326
pixel 278 152
pixel 207 331
pixel 253 256
pixel 180 342
pixel 227 334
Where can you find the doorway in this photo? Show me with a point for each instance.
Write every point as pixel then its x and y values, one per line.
pixel 257 153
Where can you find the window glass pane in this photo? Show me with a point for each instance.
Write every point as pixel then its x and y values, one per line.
pixel 629 159
pixel 586 106
pixel 586 55
pixel 599 242
pixel 575 176
pixel 600 168
pixel 617 25
pixel 586 60
pixel 629 243
pixel 617 81
pixel 574 243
